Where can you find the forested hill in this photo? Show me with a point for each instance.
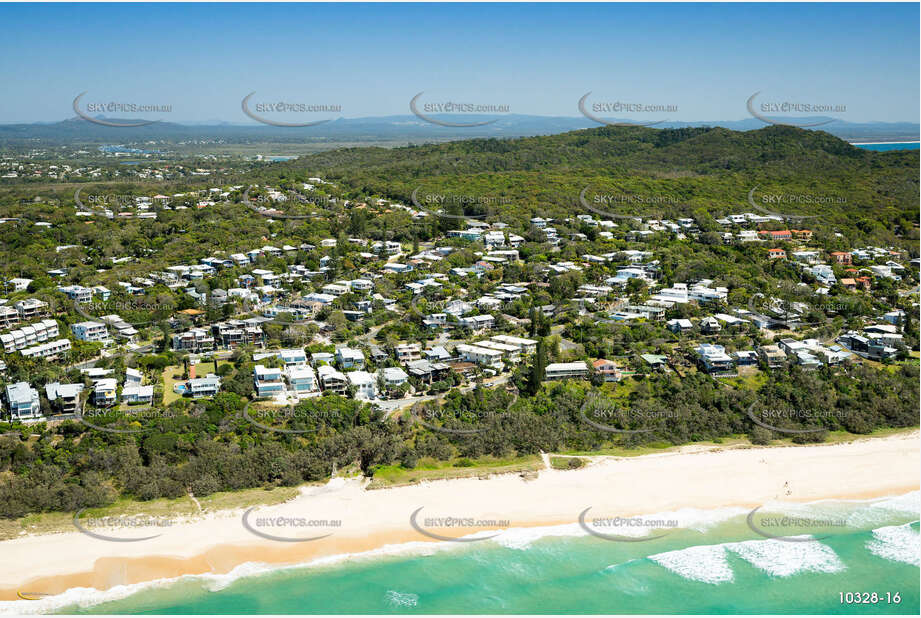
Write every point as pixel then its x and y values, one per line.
pixel 694 168
pixel 698 150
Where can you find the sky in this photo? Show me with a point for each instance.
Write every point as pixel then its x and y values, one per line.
pixel 702 60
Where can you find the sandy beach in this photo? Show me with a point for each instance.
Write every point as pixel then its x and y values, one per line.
pixel 691 477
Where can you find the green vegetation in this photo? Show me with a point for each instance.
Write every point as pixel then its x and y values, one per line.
pixel 206 448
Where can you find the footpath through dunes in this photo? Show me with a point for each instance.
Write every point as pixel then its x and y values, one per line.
pixel 678 484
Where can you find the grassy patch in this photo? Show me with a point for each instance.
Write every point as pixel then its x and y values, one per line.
pixel 430 470
pixel 169 395
pixel 566 463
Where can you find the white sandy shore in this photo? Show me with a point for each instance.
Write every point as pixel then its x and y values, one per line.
pixel 689 478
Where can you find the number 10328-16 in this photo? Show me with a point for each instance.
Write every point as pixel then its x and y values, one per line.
pixel 854 598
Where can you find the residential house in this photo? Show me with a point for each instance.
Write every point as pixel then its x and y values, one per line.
pixel 408 352
pixel 714 360
pixel 104 392
pixel 364 384
pixel 65 397
pixel 193 340
pixel 23 402
pixel 268 381
pixel 350 358
pixel 301 379
pixel 90 331
pixel 477 323
pixel 607 369
pixel 332 380
pixel 772 355
pixel 207 386
pixel 679 325
pixel 393 377
pixel 566 371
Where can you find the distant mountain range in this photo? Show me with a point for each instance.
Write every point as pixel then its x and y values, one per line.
pixel 402 128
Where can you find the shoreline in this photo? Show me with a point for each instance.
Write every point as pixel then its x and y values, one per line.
pixel 372 522
pixel 878 143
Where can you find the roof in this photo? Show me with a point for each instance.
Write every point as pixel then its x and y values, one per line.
pixel 394 373
pixel 20 391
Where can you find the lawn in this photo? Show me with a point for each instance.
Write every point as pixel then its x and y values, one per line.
pixel 203 368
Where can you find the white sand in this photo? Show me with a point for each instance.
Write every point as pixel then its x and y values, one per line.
pixel 689 478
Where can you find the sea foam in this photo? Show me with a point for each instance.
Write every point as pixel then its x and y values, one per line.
pixel 897 543
pixel 702 563
pixel 784 558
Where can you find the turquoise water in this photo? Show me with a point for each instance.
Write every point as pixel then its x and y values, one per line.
pixel 716 564
pixel 883 146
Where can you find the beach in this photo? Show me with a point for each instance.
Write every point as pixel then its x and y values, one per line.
pixel 351 519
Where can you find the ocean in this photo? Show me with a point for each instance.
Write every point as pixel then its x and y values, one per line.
pixel 883 146
pixel 718 564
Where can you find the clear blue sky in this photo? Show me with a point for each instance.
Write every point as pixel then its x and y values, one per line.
pixel 706 59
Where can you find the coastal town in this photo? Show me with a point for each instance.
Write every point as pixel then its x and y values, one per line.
pixel 413 320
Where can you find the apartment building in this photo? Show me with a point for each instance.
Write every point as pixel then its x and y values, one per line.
pixel 194 340
pixel 90 331
pixel 29 335
pixel 234 333
pixel 48 351
pixel 9 317
pixel 31 308
pixel 479 356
